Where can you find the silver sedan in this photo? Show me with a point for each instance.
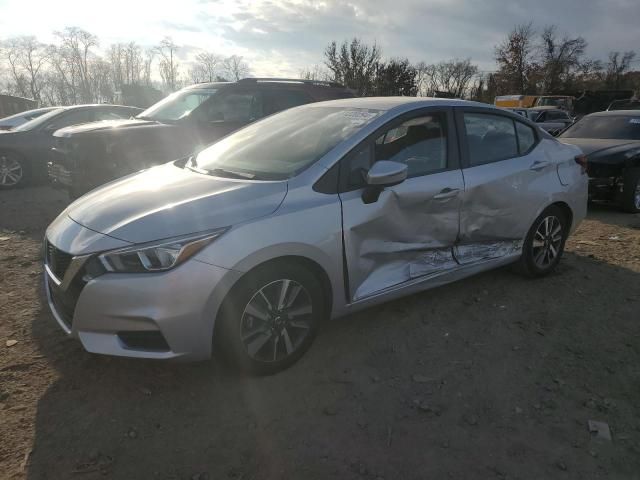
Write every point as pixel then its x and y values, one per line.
pixel 311 213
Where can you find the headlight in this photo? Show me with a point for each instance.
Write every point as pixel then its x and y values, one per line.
pixel 156 256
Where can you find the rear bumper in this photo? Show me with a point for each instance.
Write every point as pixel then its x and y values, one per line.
pixel 168 315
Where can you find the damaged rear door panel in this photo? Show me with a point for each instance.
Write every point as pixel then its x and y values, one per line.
pixel 409 232
pixel 507 176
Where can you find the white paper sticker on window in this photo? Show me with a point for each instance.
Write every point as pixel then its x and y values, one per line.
pixel 634 120
pixel 359 117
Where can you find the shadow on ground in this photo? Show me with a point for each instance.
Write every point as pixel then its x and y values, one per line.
pixel 492 377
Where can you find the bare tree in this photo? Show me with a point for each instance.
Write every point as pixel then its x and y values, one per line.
pixel 453 77
pixel 317 72
pixel 617 67
pixel 11 54
pixel 75 52
pixel 559 59
pixel 149 55
pixel 206 68
pixel 235 67
pixel 354 64
pixel 515 59
pixel 169 67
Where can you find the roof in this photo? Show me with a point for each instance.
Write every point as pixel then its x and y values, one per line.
pixel 616 113
pixel 387 103
pixel 268 81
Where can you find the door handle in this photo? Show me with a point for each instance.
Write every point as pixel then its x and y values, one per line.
pixel 446 193
pixel 539 165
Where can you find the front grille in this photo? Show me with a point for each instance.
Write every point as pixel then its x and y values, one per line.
pixel 64 302
pixel 57 260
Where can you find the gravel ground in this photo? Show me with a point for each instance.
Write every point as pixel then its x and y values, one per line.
pixel 495 376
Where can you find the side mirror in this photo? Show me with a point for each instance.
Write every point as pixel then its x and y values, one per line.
pixel 383 173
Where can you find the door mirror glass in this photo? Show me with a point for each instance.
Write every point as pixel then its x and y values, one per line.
pixel 385 173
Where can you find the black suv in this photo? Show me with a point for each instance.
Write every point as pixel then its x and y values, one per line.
pixel 89 155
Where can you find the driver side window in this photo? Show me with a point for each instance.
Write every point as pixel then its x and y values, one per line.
pixel 419 143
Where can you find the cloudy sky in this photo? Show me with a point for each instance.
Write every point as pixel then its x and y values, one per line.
pixel 280 37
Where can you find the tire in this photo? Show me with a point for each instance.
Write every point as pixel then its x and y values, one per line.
pixel 543 239
pixel 630 200
pixel 14 171
pixel 262 340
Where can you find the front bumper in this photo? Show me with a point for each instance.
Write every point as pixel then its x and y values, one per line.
pixel 157 315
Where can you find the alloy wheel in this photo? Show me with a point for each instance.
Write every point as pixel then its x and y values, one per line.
pixel 276 321
pixel 547 241
pixel 636 196
pixel 10 171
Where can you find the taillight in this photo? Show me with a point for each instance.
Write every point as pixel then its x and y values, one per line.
pixel 582 161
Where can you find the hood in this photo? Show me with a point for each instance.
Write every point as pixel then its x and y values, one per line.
pixel 593 146
pixel 168 201
pixel 105 125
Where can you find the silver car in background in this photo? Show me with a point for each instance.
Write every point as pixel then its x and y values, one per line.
pixel 311 213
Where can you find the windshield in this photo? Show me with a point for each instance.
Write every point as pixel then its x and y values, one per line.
pixel 283 145
pixel 36 122
pixel 607 127
pixel 177 105
pixel 23 117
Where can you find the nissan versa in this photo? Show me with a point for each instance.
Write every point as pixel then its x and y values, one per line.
pixel 311 213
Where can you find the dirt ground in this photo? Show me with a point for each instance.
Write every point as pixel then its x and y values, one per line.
pixel 492 377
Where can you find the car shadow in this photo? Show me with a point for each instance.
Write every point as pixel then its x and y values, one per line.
pixel 496 373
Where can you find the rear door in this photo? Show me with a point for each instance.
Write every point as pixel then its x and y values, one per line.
pixel 409 232
pixel 507 178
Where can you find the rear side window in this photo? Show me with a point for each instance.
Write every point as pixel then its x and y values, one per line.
pixel 278 100
pixel 526 137
pixel 490 138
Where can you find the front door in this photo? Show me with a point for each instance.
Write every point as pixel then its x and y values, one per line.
pixel 409 232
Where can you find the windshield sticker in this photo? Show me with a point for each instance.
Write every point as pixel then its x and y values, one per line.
pixel 359 117
pixel 634 120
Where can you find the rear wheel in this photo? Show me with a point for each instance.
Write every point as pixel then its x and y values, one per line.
pixel 13 170
pixel 544 244
pixel 270 319
pixel 631 191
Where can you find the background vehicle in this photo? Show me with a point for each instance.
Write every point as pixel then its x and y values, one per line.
pixel 317 211
pixel 628 104
pixel 24 151
pixel 18 119
pixel 611 142
pixel 515 101
pixel 562 102
pixel 175 127
pixel 550 119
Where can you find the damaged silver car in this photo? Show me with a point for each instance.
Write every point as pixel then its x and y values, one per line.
pixel 311 213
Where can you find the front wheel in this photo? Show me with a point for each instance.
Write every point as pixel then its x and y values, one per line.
pixel 631 191
pixel 544 243
pixel 270 319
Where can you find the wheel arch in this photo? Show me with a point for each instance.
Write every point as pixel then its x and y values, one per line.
pixel 311 265
pixel 566 209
